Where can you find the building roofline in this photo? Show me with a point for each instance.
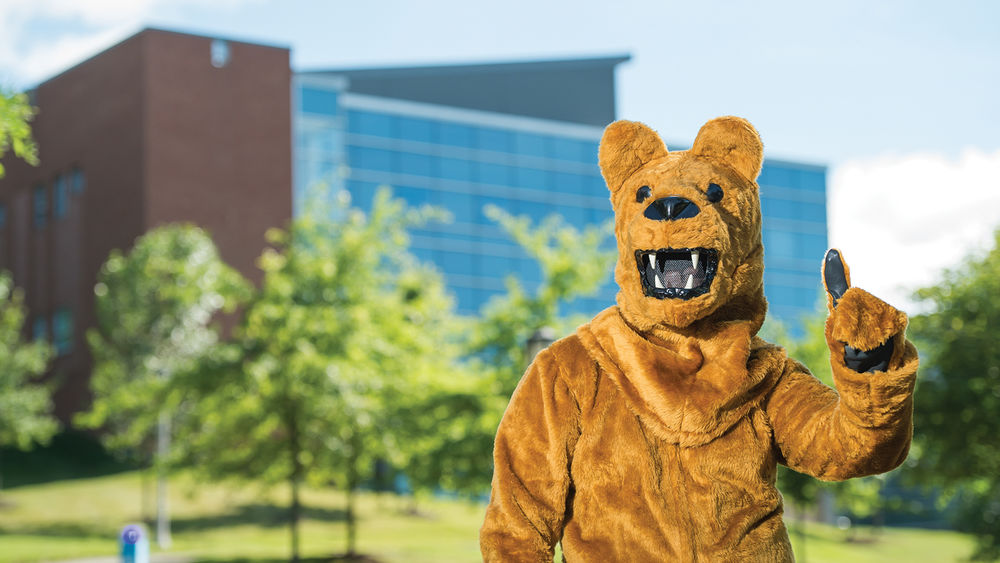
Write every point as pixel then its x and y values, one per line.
pixel 473 68
pixel 145 31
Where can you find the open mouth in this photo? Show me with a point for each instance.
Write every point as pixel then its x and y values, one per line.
pixel 676 273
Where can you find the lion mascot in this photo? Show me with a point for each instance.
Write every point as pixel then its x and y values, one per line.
pixel 653 432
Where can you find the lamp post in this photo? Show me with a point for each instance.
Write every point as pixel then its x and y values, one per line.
pixel 540 340
pixel 163 539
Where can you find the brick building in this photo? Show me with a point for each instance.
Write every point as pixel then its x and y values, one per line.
pixel 162 127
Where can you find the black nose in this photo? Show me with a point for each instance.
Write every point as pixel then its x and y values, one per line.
pixel 671 208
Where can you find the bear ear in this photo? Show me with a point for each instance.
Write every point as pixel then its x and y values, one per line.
pixel 625 147
pixel 733 141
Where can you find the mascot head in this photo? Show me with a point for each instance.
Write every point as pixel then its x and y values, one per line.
pixel 687 224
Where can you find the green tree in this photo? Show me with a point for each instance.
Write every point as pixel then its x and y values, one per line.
pixel 154 310
pixel 15 131
pixel 345 331
pixel 25 407
pixel 573 263
pixel 958 394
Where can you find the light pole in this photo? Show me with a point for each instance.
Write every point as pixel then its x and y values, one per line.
pixel 162 450
pixel 540 340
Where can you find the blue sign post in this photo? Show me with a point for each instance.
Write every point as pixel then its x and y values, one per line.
pixel 135 545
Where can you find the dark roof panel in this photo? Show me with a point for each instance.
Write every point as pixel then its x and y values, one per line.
pixel 575 90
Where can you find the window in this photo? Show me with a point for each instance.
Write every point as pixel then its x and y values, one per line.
pixel 362 194
pixel 531 178
pixel 461 263
pixel 456 169
pixel 3 215
pixel 62 331
pixel 493 139
pixel 219 53
pixel 574 215
pixel 41 206
pixel 369 123
pixel 60 196
pixel 39 329
pixel 481 201
pixel 459 204
pixel 529 144
pixel 567 182
pixel 415 197
pixel 456 135
pixel 413 129
pixel 569 149
pixel 370 159
pixel 414 163
pixel 490 173
pixel 316 100
pixel 77 181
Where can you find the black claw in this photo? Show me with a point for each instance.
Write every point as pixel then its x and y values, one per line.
pixel 834 276
pixel 868 361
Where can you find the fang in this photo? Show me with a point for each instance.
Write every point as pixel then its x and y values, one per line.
pixel 694 259
pixel 690 282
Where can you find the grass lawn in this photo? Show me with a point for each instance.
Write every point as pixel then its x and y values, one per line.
pixel 81 518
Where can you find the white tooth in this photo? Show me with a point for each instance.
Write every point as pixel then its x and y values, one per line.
pixel 652 260
pixel 659 284
pixel 694 259
pixel 690 282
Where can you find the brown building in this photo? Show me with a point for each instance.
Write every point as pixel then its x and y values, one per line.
pixel 163 127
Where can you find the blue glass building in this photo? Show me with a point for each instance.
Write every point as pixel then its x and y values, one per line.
pixel 523 137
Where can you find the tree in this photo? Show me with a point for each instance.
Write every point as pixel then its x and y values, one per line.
pixel 573 263
pixel 154 311
pixel 958 394
pixel 345 329
pixel 15 133
pixel 25 407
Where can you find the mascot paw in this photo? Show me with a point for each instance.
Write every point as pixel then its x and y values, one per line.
pixel 864 323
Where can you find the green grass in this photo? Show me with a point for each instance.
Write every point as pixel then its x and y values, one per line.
pixel 827 544
pixel 80 518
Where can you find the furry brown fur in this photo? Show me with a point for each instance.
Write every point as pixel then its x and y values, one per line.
pixel 653 433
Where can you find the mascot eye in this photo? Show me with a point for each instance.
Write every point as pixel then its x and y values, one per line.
pixel 642 194
pixel 714 193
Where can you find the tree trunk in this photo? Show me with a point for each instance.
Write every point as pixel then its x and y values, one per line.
pixel 162 449
pixel 352 484
pixel 801 555
pixel 146 479
pixel 295 514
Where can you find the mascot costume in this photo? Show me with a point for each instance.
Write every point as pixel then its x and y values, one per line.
pixel 653 432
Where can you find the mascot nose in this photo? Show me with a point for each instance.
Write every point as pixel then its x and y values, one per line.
pixel 671 208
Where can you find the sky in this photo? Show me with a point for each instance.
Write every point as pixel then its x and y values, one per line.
pixel 898 98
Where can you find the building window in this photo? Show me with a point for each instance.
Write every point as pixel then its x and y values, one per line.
pixel 41 206
pixel 220 53
pixel 3 215
pixel 77 181
pixel 60 196
pixel 39 329
pixel 62 331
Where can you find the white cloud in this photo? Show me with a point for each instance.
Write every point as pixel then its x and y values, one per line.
pixel 36 41
pixel 901 220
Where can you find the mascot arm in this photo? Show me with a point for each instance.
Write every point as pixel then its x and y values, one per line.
pixel 531 460
pixel 865 426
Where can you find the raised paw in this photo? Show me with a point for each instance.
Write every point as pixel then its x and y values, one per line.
pixel 864 323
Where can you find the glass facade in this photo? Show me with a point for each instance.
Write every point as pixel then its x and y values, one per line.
pixel 464 160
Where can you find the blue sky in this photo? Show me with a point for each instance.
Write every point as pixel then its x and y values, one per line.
pixel 864 87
